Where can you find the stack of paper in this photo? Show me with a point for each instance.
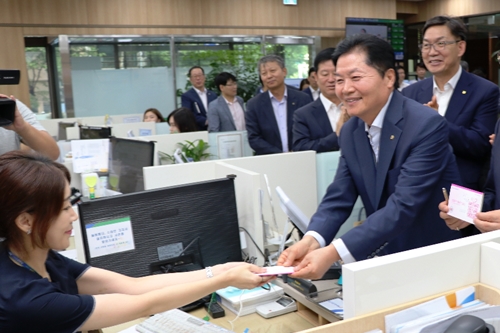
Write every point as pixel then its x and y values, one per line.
pixel 249 299
pixel 416 318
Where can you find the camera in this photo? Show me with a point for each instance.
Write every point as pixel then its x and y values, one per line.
pixel 8 106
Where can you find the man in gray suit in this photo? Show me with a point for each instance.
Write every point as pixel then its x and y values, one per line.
pixel 227 112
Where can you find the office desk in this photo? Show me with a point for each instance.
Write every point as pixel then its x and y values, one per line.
pixel 290 322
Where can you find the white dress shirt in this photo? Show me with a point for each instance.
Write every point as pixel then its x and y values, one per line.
pixel 333 111
pixel 315 93
pixel 280 112
pixel 443 96
pixel 403 85
pixel 237 113
pixel 374 131
pixel 203 97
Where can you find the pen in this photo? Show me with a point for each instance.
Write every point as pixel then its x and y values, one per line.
pixel 445 194
pixel 197 107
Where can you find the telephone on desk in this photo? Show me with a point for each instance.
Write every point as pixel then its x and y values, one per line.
pixel 469 324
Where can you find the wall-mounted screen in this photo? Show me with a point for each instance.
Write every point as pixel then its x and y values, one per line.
pixel 389 30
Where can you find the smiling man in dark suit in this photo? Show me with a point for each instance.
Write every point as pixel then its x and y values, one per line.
pixel 315 125
pixel 395 155
pixel 269 115
pixel 197 98
pixel 468 103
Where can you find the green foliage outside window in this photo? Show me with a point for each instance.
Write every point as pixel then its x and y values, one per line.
pixel 241 62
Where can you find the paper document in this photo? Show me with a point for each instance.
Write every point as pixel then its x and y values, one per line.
pixel 464 203
pixel 131 119
pixel 438 305
pixel 230 145
pixel 335 305
pixel 111 236
pixel 415 326
pixel 90 155
pixel 277 270
pixel 145 132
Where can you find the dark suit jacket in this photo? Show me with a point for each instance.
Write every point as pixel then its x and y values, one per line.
pixel 309 92
pixel 191 100
pixel 220 118
pixel 401 193
pixel 471 118
pixel 262 127
pixel 312 129
pixel 259 90
pixel 491 200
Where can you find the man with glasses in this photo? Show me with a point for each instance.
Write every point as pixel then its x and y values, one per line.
pixel 466 101
pixel 489 217
pixel 197 98
pixel 227 112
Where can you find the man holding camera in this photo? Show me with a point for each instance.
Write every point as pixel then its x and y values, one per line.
pixel 26 130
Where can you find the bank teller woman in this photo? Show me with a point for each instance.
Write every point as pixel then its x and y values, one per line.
pixel 43 291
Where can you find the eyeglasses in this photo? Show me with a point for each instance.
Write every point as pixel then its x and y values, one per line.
pixel 232 84
pixel 438 46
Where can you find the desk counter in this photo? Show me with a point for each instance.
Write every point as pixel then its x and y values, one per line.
pixel 290 322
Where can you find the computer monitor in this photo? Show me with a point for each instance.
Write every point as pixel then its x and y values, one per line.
pixel 184 227
pixel 298 219
pixel 61 133
pixel 94 132
pixel 127 157
pixel 390 30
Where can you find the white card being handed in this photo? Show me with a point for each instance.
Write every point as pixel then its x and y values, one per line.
pixel 277 270
pixel 464 203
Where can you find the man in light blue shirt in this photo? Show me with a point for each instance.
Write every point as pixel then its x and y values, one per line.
pixel 269 115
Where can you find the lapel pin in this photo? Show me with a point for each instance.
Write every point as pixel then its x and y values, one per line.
pixel 464 92
pixel 293 103
pixel 392 137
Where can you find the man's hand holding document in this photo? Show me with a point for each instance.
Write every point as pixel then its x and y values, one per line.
pixel 461 208
pixel 464 203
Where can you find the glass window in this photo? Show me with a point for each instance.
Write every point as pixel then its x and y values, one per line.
pixel 38 80
pixel 296 58
pixel 123 75
pixel 128 74
pixel 234 56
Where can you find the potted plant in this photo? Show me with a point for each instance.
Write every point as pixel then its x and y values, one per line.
pixel 193 150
